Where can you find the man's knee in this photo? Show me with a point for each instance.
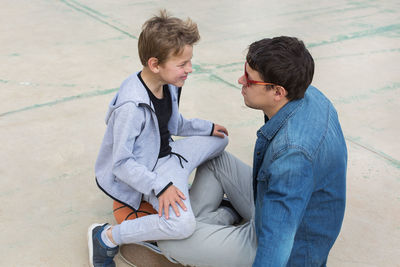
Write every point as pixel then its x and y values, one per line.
pixel 217 145
pixel 220 162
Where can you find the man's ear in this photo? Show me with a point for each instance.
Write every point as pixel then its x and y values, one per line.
pixel 280 92
pixel 153 65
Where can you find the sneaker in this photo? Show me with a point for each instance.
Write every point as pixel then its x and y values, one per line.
pixel 99 254
pixel 227 205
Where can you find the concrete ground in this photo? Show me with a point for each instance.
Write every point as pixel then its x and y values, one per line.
pixel 62 61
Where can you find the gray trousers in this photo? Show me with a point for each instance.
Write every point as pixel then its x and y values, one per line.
pixel 196 150
pixel 215 242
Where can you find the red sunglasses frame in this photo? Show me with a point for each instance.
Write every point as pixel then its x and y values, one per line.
pixel 248 82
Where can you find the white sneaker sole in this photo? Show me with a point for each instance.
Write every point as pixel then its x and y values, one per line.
pixel 90 242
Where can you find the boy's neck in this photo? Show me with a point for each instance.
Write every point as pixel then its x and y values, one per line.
pixel 152 81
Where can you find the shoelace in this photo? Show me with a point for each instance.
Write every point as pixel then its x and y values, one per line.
pixel 180 157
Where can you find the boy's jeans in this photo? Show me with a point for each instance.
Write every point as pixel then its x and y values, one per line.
pixel 214 243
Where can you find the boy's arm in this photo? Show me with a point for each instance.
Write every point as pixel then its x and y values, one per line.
pixel 283 191
pixel 128 123
pixel 219 130
pixel 190 127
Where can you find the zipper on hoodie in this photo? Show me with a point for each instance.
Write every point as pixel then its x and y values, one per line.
pixel 151 109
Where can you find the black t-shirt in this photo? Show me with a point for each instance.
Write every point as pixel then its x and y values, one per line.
pixel 163 109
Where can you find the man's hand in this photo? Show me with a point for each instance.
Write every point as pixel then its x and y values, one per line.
pixel 171 196
pixel 219 131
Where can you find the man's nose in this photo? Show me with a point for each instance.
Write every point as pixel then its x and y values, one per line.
pixel 242 80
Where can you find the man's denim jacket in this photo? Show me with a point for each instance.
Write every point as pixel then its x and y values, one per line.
pixel 299 174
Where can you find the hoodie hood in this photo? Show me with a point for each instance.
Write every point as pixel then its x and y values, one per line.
pixel 131 90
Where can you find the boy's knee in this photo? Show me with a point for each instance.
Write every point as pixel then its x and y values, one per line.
pixel 187 226
pixel 181 227
pixel 216 144
pixel 222 142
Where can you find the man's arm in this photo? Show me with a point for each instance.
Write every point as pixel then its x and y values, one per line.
pixel 283 191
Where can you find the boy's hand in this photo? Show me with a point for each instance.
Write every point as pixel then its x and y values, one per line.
pixel 219 130
pixel 171 196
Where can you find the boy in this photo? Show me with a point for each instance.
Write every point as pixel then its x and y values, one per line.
pixel 138 159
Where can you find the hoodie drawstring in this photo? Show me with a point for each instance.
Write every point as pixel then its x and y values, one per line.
pixel 180 157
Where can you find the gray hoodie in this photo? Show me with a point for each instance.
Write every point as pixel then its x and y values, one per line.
pixel 130 147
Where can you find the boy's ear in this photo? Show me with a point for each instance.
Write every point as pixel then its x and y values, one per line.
pixel 153 65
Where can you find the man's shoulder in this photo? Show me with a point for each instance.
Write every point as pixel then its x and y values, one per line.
pixel 307 127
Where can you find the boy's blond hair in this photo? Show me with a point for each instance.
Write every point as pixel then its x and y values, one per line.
pixel 164 35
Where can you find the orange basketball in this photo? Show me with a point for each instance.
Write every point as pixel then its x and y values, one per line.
pixel 123 212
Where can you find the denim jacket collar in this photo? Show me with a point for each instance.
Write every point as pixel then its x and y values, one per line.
pixel 272 126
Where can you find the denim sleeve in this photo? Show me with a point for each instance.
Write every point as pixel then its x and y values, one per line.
pixel 284 188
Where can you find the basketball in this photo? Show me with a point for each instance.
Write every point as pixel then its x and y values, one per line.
pixel 123 212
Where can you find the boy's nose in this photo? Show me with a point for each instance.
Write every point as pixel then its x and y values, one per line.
pixel 189 68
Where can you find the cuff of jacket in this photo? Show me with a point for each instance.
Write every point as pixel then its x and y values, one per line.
pixel 163 190
pixel 212 129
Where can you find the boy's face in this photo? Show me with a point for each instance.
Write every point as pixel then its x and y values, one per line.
pixel 176 68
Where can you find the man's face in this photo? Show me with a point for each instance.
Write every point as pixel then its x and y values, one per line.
pixel 255 93
pixel 176 68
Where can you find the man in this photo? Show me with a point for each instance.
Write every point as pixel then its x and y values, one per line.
pixel 292 201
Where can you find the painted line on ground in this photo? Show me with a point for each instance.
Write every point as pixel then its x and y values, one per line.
pixel 198 71
pixel 90 13
pixel 60 100
pixel 356 35
pixel 88 8
pixel 391 160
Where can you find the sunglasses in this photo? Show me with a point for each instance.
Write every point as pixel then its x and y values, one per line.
pixel 249 82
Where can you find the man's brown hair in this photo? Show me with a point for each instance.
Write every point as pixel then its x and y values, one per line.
pixel 164 35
